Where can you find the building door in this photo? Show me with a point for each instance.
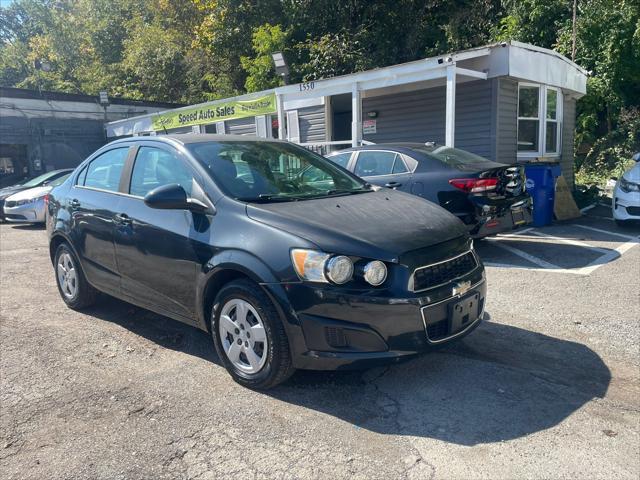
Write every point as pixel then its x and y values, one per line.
pixel 341 117
pixel 13 164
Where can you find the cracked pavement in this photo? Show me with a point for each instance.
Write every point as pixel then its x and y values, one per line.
pixel 547 387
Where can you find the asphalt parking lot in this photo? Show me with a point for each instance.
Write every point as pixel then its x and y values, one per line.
pixel 547 387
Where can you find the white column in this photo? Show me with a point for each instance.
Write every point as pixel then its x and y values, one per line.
pixel 220 128
pixel 450 116
pixel 356 116
pixel 261 126
pixel 280 106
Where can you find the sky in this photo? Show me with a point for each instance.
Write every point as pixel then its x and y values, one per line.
pixel 5 3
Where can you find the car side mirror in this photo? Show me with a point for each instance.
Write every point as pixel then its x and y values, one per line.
pixel 174 197
pixel 167 197
pixel 636 157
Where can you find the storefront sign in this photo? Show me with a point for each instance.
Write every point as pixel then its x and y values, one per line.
pixel 368 126
pixel 215 113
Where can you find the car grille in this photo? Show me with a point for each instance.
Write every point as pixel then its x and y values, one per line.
pixel 10 204
pixel 635 211
pixel 440 273
pixel 438 330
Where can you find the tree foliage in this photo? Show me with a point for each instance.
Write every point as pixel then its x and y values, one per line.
pixel 194 50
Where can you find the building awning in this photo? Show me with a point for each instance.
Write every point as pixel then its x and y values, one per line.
pixel 513 59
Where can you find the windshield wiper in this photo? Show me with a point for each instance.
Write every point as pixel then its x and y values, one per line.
pixel 348 191
pixel 268 197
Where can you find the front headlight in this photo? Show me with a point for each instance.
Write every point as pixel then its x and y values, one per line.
pixel 26 201
pixel 339 269
pixel 310 264
pixel 627 186
pixel 314 266
pixel 375 273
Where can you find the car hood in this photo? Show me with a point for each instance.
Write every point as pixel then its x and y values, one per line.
pixel 29 193
pixel 7 191
pixel 382 224
pixel 633 174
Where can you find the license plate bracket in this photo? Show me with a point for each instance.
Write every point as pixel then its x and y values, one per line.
pixel 463 312
pixel 517 216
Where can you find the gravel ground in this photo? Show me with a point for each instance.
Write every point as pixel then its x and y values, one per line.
pixel 548 387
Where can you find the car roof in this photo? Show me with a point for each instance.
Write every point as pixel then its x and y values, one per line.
pixel 405 147
pixel 190 138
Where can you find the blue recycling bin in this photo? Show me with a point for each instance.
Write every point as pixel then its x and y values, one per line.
pixel 541 185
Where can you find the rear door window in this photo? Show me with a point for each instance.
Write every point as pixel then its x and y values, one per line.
pixel 373 164
pixel 341 159
pixel 104 171
pixel 155 167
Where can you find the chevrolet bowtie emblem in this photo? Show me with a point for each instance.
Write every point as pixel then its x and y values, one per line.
pixel 461 288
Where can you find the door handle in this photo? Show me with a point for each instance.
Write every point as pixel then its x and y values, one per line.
pixel 122 219
pixel 74 203
pixel 393 185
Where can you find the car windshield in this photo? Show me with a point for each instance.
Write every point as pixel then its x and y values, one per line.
pixel 34 182
pixel 59 181
pixel 452 156
pixel 273 171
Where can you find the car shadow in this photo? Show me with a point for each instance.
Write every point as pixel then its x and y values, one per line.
pixel 499 383
pixel 28 226
pixel 161 330
pixel 582 248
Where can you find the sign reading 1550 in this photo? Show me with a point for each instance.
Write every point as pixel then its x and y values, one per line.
pixel 307 86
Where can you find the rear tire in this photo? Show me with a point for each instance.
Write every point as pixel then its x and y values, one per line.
pixel 73 287
pixel 249 336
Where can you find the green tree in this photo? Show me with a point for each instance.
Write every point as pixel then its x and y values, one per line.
pixel 260 70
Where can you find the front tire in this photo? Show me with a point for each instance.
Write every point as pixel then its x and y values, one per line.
pixel 74 289
pixel 249 336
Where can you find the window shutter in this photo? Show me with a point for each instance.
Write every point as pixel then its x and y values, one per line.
pixel 293 127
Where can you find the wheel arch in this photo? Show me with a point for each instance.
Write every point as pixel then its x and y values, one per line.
pixel 244 266
pixel 57 239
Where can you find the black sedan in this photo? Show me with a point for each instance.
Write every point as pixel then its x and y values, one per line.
pixel 39 181
pixel 286 259
pixel 488 197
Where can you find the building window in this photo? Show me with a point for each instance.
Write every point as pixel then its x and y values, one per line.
pixel 539 112
pixel 551 119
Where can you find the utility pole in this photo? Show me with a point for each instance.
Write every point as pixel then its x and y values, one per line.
pixel 573 35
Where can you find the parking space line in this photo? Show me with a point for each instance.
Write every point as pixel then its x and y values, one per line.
pixel 628 237
pixel 607 256
pixel 538 261
pixel 528 269
pixel 571 241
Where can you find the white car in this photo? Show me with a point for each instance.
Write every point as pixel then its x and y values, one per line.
pixel 626 195
pixel 28 206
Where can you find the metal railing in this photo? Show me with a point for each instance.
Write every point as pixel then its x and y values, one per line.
pixel 324 148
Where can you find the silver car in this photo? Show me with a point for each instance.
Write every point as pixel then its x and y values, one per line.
pixel 28 206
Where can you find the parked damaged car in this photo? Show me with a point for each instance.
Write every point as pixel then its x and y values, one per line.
pixel 488 197
pixel 287 260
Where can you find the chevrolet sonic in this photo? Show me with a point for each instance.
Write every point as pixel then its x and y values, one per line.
pixel 288 260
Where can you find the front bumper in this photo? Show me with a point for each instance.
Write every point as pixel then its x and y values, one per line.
pixel 342 329
pixel 28 213
pixel 625 205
